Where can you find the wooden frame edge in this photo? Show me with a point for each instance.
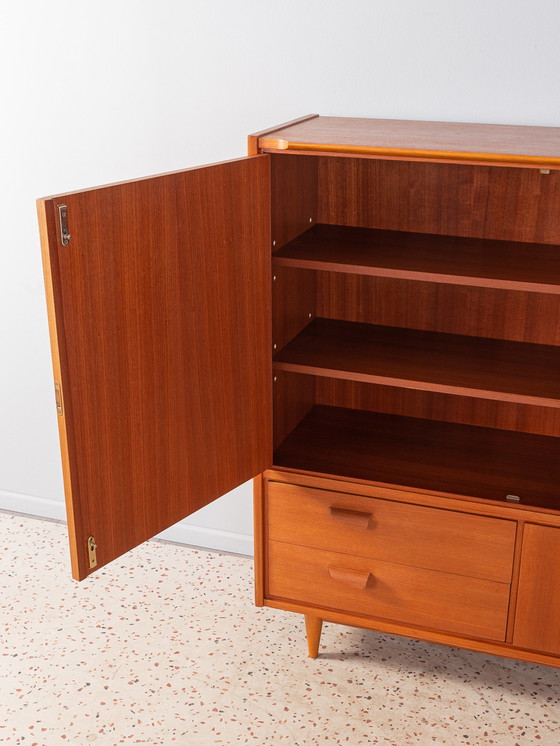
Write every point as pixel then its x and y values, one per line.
pixel 404 493
pixel 271 144
pixel 476 645
pixel 258 519
pixel 48 235
pixel 253 146
pixel 514 587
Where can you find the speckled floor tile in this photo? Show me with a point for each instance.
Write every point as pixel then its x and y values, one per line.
pixel 165 647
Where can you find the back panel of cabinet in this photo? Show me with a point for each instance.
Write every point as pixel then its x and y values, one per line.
pixel 421 291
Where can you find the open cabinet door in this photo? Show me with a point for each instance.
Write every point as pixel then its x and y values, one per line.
pixel 159 312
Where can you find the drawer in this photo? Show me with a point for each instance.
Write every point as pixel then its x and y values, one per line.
pixel 432 538
pixel 385 590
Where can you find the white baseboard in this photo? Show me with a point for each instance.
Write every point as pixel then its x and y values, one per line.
pixel 209 538
pixel 182 533
pixel 32 505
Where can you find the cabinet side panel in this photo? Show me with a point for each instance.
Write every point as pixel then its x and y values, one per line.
pixel 514 204
pixel 258 527
pixel 293 397
pixel 293 195
pixel 293 211
pixel 294 298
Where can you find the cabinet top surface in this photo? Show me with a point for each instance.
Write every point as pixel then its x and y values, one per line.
pixel 492 143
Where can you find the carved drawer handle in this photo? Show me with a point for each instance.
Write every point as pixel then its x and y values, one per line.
pixel 353 517
pixel 355 578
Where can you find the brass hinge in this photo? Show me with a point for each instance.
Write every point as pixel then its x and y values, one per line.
pixel 58 398
pixel 92 554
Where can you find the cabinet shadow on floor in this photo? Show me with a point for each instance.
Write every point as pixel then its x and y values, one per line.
pixel 430 659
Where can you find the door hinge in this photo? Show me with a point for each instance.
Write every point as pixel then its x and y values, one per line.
pixel 58 398
pixel 92 554
pixel 63 222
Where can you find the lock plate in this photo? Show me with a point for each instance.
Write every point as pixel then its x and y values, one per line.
pixel 92 553
pixel 58 398
pixel 63 222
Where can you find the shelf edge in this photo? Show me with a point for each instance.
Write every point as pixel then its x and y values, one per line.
pixel 442 388
pixel 416 275
pixel 503 159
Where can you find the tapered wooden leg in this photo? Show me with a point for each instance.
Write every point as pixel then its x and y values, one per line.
pixel 313 626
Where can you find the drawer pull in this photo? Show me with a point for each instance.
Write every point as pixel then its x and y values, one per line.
pixel 355 578
pixel 353 517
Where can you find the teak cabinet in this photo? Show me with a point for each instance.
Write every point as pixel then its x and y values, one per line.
pixel 364 315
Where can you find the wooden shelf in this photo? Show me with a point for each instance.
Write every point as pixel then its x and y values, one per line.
pixel 428 361
pixel 507 265
pixel 431 455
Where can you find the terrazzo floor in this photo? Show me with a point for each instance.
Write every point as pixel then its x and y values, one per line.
pixel 165 647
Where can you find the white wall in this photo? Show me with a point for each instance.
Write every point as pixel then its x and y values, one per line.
pixel 98 91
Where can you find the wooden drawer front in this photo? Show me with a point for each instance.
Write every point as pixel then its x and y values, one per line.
pixel 460 543
pixel 406 594
pixel 537 620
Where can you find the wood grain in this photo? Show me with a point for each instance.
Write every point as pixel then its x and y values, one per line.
pixel 510 511
pixel 478 367
pixel 494 143
pixel 294 210
pixel 47 229
pixel 294 185
pixel 439 456
pixel 359 579
pixel 356 518
pixel 508 204
pixel 445 540
pixel 294 296
pixel 292 397
pixel 162 302
pixel 313 627
pixel 253 139
pixel 399 592
pixel 258 533
pixel 455 309
pixel 431 405
pixel 537 620
pixel 515 580
pixel 508 265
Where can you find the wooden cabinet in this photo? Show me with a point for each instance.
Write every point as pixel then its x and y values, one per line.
pixel 364 315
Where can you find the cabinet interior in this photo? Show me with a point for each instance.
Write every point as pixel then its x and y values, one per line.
pixel 416 333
